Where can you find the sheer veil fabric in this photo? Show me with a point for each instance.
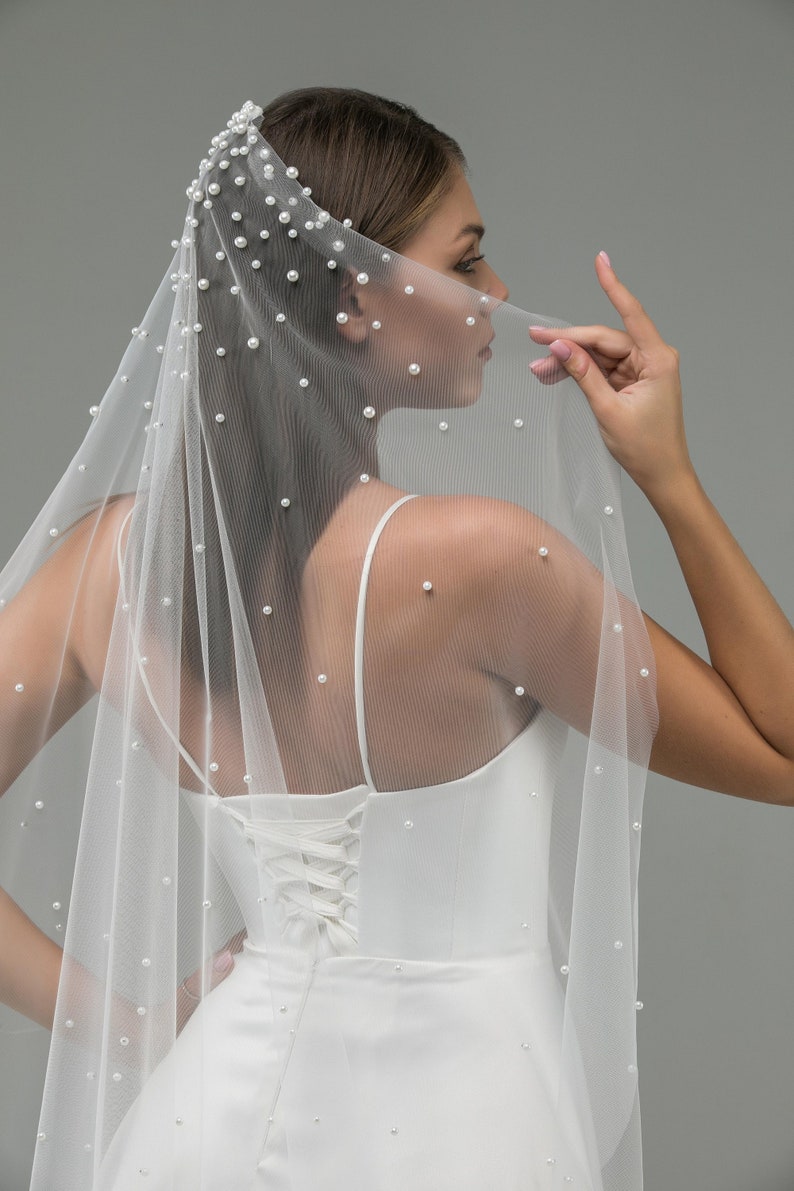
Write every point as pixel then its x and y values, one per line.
pixel 289 384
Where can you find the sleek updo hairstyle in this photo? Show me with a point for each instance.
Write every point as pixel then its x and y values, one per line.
pixel 368 159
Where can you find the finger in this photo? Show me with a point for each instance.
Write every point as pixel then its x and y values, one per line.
pixel 584 370
pixel 548 370
pixel 608 340
pixel 635 319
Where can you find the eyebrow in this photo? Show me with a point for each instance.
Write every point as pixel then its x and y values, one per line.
pixel 471 228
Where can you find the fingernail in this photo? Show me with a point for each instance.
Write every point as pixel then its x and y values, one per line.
pixel 223 961
pixel 560 350
pixel 536 365
pixel 605 258
pixel 536 327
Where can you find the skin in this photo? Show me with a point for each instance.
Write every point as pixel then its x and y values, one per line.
pixel 727 726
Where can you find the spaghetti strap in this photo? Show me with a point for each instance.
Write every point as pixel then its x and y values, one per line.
pixel 359 648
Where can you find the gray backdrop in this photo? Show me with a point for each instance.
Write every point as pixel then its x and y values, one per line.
pixel 661 131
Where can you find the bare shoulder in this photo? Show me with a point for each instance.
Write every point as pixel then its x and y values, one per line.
pixel 474 536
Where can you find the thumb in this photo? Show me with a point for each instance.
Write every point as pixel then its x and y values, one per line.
pixel 579 364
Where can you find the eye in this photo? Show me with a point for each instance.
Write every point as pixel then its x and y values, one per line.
pixel 467 266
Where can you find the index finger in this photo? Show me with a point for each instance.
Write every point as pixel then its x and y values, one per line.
pixel 638 324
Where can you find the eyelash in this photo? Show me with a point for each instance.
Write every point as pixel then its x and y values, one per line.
pixel 465 266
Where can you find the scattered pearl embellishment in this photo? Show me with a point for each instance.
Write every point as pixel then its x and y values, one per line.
pixel 414 369
pixel 543 551
pixel 427 585
pixel 369 411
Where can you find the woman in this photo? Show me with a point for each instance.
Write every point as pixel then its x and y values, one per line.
pixel 344 559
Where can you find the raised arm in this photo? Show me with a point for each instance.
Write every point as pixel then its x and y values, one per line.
pixel 728 726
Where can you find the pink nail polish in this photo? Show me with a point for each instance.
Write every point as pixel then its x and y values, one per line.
pixel 605 258
pixel 560 350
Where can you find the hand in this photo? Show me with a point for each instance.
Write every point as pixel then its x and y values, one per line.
pixel 630 378
pixel 202 981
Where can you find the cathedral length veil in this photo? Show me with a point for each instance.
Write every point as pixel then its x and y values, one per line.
pixel 242 415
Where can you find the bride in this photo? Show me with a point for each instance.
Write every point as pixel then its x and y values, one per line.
pixel 337 591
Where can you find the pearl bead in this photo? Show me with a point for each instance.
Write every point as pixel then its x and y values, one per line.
pixel 362 278
pixel 236 216
pixel 322 677
pixel 408 824
pixel 53 532
pixel 551 1161
pixel 632 1070
pixel 293 275
pixel 414 369
pixel 471 320
pixel 200 548
pixel 364 478
pixel 386 256
pixel 618 945
pixel 369 411
pixel 19 688
pixel 608 510
pixel 253 342
pixel 56 905
pixel 264 234
pixel 284 217
pixel 376 326
pixel 213 767
pixel 203 283
pixel 268 171
pixel 247 779
pixel 207 904
pixel 644 672
pixel 304 382
pixel 291 171
pixel 285 502
pixel 443 425
pixel 519 690
pixel 427 585
pixel 636 826
pixel 281 318
pixel 240 241
pixel 69 1023
pixel 564 968
pixel 146 963
pixel 341 317
pixel 525 1046
pixel 220 417
pixel 598 769
pixel 179 1121
pixel 332 264
pixel 394 1130
pixel 256 264
pixel 197 327
pixel 638 1005
pixel 213 188
pixel 42 1136
pixel 282 1008
pixel 93 410
pixel 239 180
pixel 268 611
pixel 220 351
pixel 409 289
pixel 398 967
pixel 543 551
pixel 617 628
pixel 124 1041
pixel 518 423
pixel 338 246
pixel 166 881
pixel 220 256
pixel 347 223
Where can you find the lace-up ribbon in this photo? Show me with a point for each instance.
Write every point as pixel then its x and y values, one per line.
pixel 311 865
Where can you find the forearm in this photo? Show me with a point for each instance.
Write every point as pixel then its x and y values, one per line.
pixel 30 964
pixel 750 641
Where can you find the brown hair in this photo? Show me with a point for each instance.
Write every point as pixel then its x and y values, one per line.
pixel 368 159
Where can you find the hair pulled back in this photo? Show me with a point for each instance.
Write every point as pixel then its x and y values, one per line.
pixel 368 159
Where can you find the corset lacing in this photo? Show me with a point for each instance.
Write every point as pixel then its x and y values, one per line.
pixel 311 865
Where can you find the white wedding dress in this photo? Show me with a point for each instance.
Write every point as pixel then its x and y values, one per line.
pixel 434 998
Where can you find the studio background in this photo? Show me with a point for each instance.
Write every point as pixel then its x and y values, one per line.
pixel 660 131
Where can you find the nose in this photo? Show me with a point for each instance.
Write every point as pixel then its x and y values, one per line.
pixel 496 287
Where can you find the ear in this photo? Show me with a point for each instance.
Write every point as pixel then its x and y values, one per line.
pixel 353 302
